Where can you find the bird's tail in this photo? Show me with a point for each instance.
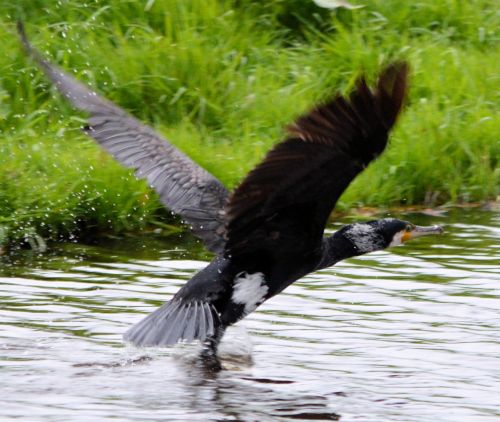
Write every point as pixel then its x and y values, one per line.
pixel 173 322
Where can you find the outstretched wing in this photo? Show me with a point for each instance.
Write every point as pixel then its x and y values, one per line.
pixel 183 186
pixel 281 208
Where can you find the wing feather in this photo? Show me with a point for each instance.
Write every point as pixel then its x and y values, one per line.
pixel 183 186
pixel 281 208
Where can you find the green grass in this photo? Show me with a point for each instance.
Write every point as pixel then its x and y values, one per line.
pixel 220 79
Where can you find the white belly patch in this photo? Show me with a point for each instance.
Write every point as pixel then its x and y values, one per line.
pixel 249 290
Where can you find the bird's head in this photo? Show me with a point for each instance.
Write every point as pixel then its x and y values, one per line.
pixel 380 234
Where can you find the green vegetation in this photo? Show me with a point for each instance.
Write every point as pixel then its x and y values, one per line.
pixel 220 79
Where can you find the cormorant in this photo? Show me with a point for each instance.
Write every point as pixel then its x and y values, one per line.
pixel 269 232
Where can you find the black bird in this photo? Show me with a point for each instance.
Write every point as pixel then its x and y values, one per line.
pixel 269 232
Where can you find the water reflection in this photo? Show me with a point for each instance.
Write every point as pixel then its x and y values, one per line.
pixel 409 334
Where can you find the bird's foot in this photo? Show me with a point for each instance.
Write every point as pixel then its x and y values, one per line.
pixel 209 360
pixel 211 364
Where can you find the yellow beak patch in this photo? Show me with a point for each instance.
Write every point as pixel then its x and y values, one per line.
pixel 406 236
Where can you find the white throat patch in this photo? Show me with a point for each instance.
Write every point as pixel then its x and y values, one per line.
pixel 397 239
pixel 363 237
pixel 249 290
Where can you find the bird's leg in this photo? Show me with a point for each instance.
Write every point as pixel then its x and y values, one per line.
pixel 209 357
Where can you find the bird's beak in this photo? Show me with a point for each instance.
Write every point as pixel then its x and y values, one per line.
pixel 420 231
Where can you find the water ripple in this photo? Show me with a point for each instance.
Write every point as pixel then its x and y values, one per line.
pixel 407 334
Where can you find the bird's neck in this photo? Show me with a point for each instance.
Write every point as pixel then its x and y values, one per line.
pixel 336 248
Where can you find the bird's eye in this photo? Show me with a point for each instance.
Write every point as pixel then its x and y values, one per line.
pixel 409 228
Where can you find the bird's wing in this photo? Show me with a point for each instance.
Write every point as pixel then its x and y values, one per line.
pixel 282 206
pixel 183 186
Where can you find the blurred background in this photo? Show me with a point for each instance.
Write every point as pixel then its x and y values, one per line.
pixel 220 79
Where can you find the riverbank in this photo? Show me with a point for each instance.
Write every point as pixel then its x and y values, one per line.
pixel 220 80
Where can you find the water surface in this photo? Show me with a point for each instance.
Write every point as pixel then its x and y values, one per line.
pixel 409 334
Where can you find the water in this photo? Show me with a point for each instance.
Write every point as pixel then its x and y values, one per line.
pixel 410 334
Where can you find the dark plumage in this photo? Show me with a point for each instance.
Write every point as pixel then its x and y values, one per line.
pixel 269 232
